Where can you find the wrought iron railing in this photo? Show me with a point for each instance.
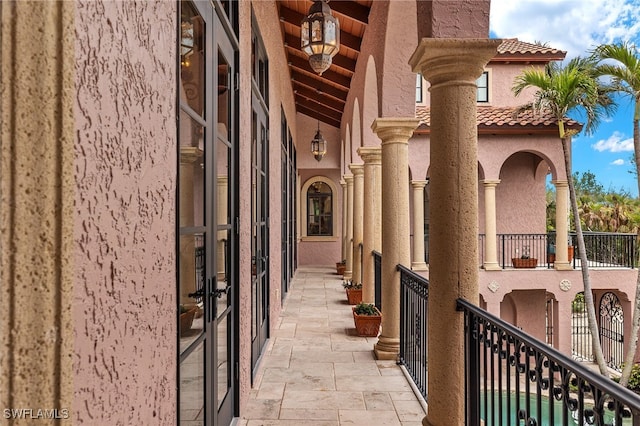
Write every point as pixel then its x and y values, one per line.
pixel 515 379
pixel 377 273
pixel 414 296
pixel 604 250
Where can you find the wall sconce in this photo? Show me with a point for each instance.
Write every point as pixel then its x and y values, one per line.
pixel 320 36
pixel 318 145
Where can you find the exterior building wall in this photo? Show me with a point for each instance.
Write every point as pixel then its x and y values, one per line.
pixel 125 165
pixel 501 78
pixel 321 250
pixel 265 14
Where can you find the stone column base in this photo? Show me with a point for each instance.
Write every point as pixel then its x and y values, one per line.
pixel 347 275
pixel 563 266
pixel 387 348
pixel 491 266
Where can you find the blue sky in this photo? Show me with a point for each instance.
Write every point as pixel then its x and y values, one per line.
pixel 577 26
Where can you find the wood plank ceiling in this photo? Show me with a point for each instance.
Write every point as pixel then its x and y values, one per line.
pixel 323 97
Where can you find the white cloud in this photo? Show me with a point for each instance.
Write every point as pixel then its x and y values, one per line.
pixel 618 162
pixel 576 26
pixel 614 143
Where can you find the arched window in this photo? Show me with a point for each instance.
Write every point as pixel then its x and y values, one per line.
pixel 319 210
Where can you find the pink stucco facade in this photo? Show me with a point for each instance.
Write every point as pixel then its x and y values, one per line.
pixel 124 229
pixel 123 250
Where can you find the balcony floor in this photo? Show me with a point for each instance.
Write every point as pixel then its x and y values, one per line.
pixel 317 371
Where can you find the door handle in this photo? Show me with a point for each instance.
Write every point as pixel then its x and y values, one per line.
pixel 218 292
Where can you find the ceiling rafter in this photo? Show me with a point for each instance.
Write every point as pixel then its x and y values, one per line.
pixel 323 97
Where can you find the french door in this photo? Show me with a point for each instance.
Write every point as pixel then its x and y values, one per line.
pixel 207 212
pixel 259 231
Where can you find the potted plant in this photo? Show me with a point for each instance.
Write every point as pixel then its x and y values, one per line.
pixel 341 266
pixel 367 319
pixel 354 291
pixel 187 313
pixel 524 261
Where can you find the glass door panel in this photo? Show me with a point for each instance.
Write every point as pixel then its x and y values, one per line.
pixel 192 384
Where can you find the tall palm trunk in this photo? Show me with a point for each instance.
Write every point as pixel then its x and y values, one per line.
pixel 635 324
pixel 588 294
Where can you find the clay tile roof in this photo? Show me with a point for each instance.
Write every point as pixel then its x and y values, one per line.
pixel 503 118
pixel 512 48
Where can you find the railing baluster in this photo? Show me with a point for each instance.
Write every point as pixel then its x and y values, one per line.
pixel 585 397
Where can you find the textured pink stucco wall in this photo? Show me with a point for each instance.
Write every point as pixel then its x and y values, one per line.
pixel 125 285
pixel 322 252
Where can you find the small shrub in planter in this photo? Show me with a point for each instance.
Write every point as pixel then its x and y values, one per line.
pixel 354 291
pixel 367 319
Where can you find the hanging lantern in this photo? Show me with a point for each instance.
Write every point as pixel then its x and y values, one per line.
pixel 320 36
pixel 318 145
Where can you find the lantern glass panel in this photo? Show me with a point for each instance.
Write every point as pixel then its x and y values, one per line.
pixel 305 34
pixel 316 30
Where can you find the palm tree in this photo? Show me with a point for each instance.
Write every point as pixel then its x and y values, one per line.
pixel 561 90
pixel 625 75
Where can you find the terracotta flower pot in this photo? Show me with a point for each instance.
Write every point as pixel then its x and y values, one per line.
pixel 186 320
pixel 354 296
pixel 367 325
pixel 524 263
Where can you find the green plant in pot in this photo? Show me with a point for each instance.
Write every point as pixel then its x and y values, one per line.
pixel 367 319
pixel 354 291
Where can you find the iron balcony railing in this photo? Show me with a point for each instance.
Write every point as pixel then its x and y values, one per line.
pixel 414 295
pixel 604 250
pixel 515 379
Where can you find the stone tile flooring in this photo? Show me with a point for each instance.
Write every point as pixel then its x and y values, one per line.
pixel 316 371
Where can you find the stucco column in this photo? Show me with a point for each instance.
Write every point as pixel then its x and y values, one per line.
pixel 490 235
pixel 395 134
pixel 452 66
pixel 345 196
pixel 562 225
pixel 372 218
pixel 358 199
pixel 37 190
pixel 349 240
pixel 418 263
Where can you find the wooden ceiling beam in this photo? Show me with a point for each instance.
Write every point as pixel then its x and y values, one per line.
pixel 322 98
pixel 314 114
pixel 351 9
pixel 317 83
pixel 313 104
pixel 298 63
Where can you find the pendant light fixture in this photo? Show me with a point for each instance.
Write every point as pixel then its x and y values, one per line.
pixel 320 36
pixel 318 145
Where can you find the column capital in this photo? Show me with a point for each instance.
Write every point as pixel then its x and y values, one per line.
pixel 560 183
pixel 348 179
pixel 419 183
pixel 356 169
pixel 394 130
pixel 343 183
pixel 490 182
pixel 370 154
pixel 452 60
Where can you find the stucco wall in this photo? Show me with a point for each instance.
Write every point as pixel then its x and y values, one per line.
pixel 125 282
pixel 328 251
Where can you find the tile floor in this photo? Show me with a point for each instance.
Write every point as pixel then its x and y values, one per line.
pixel 316 371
